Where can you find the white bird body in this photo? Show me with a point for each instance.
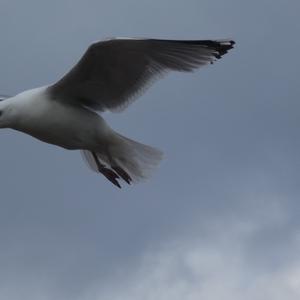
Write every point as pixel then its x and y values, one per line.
pixel 109 75
pixel 64 125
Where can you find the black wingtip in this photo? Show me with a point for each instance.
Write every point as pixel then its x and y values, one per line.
pixel 220 47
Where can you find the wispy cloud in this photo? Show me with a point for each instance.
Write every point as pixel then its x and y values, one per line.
pixel 213 267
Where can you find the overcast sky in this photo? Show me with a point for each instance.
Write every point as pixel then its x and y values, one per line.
pixel 220 217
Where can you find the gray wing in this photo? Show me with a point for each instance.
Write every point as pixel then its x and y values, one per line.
pixel 112 73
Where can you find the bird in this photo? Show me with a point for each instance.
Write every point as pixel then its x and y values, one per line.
pixel 108 77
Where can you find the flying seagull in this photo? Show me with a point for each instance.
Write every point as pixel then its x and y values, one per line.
pixel 109 76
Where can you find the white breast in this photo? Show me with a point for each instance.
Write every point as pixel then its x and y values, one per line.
pixel 71 127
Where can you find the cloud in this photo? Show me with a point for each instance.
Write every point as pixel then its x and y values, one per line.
pixel 212 267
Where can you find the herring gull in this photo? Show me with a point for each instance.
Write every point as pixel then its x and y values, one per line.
pixel 109 76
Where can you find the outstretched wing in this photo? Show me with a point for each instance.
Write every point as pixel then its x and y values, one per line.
pixel 112 73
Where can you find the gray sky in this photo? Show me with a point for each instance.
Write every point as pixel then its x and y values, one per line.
pixel 220 217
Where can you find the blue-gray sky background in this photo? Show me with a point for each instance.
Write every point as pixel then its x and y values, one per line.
pixel 220 217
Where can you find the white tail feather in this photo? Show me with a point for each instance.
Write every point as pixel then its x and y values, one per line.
pixel 137 159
